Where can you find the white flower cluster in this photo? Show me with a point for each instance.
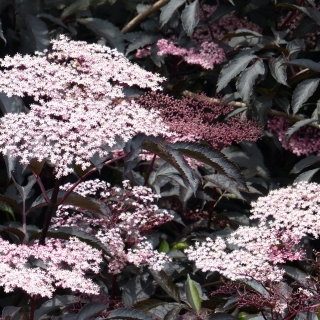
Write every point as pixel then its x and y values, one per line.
pixel 63 264
pixel 79 106
pixel 285 216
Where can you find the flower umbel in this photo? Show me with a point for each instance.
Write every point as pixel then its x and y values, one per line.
pixel 79 108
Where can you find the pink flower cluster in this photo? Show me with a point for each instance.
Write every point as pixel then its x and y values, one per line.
pixel 305 141
pixel 79 105
pixel 132 214
pixel 209 54
pixel 285 216
pixel 144 52
pixel 39 270
pixel 198 118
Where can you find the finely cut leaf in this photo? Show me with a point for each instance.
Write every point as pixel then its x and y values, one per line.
pixel 311 12
pixel 87 203
pixel 278 69
pixel 304 163
pixel 248 78
pixel 193 296
pixel 306 176
pixel 137 289
pixel 295 46
pixel 211 157
pixel 24 191
pixel 2 35
pixel 53 19
pixel 306 63
pixel 143 40
pixel 77 6
pixel 233 68
pixel 38 32
pixel 19 233
pixel 128 314
pixel 296 274
pixel 90 310
pixel 190 17
pixel 223 316
pixel 185 193
pixel 175 158
pixel 166 284
pixel 224 183
pixel 7 208
pixel 56 303
pixel 66 233
pixel 11 202
pixel 9 312
pixel 12 104
pixel 35 166
pixel 303 92
pixel 146 305
pixel 296 127
pixel 173 313
pixel 262 104
pixel 283 103
pixel 257 286
pixel 106 30
pixel 240 35
pixel 168 10
pixel 74 199
pixel 222 10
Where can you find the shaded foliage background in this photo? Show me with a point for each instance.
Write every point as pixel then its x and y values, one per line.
pixel 270 75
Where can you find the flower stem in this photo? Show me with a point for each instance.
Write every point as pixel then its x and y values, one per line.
pixel 289 18
pixel 52 207
pixel 32 308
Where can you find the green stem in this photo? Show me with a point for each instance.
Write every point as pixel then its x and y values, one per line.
pixel 52 207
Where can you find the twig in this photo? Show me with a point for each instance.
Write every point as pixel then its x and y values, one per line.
pixel 271 112
pixel 143 15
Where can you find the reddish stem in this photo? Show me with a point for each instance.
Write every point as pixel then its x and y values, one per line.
pixel 52 207
pixel 32 308
pixel 149 170
pixel 43 191
pixel 113 287
pixel 87 175
pixel 291 15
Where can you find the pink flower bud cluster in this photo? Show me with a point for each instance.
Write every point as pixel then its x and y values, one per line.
pixel 285 216
pixel 200 119
pixel 40 270
pixel 305 141
pixel 79 105
pixel 206 57
pixel 132 214
pixel 144 52
pixel 219 29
